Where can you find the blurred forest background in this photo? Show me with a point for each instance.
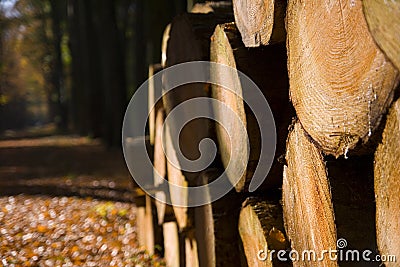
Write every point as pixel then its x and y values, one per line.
pixel 76 63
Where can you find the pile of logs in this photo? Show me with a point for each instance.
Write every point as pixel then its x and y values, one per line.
pixel 329 71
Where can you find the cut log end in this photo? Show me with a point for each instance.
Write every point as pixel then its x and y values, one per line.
pixel 341 83
pixel 261 228
pixel 260 22
pixel 383 20
pixel 267 67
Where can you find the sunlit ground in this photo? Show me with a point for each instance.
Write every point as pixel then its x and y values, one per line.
pixel 50 229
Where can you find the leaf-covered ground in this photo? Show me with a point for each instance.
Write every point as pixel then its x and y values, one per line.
pixel 50 214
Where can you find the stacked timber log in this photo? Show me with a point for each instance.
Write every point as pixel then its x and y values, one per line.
pixel 384 24
pixel 307 201
pixel 261 229
pixel 216 227
pixel 189 40
pixel 341 84
pixel 334 178
pixel 154 93
pixel 387 186
pixel 266 66
pixel 260 22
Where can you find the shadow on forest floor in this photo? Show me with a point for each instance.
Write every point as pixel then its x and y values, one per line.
pixel 62 165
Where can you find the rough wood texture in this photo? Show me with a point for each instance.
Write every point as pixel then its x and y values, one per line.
pixel 171 244
pixel 260 22
pixel 179 197
pixel 191 255
pixel 267 68
pixel 340 82
pixel 149 226
pixel 216 227
pixel 149 233
pixel 383 21
pixel 154 93
pixel 307 207
pixel 141 225
pixel 387 187
pixel 190 41
pixel 160 165
pixel 261 228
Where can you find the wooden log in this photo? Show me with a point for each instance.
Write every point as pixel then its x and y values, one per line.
pixel 260 22
pixel 171 244
pixel 140 203
pixel 387 187
pixel 202 8
pixel 164 45
pixel 216 227
pixel 191 255
pixel 219 7
pixel 154 93
pixel 307 207
pixel 149 226
pixel 160 166
pixel 190 41
pixel 149 232
pixel 340 82
pixel 383 21
pixel 179 195
pixel 267 68
pixel 261 228
pixel 165 213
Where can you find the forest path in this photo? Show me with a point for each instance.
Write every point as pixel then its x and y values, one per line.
pixel 66 201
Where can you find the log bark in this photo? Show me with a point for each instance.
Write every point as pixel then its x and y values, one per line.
pixel 383 20
pixel 260 22
pixel 171 244
pixel 267 68
pixel 261 228
pixel 340 82
pixel 307 207
pixel 216 227
pixel 154 93
pixel 387 187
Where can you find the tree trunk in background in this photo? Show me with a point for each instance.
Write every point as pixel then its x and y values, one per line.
pixel 112 43
pixel 80 66
pixel 57 74
pixel 111 73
